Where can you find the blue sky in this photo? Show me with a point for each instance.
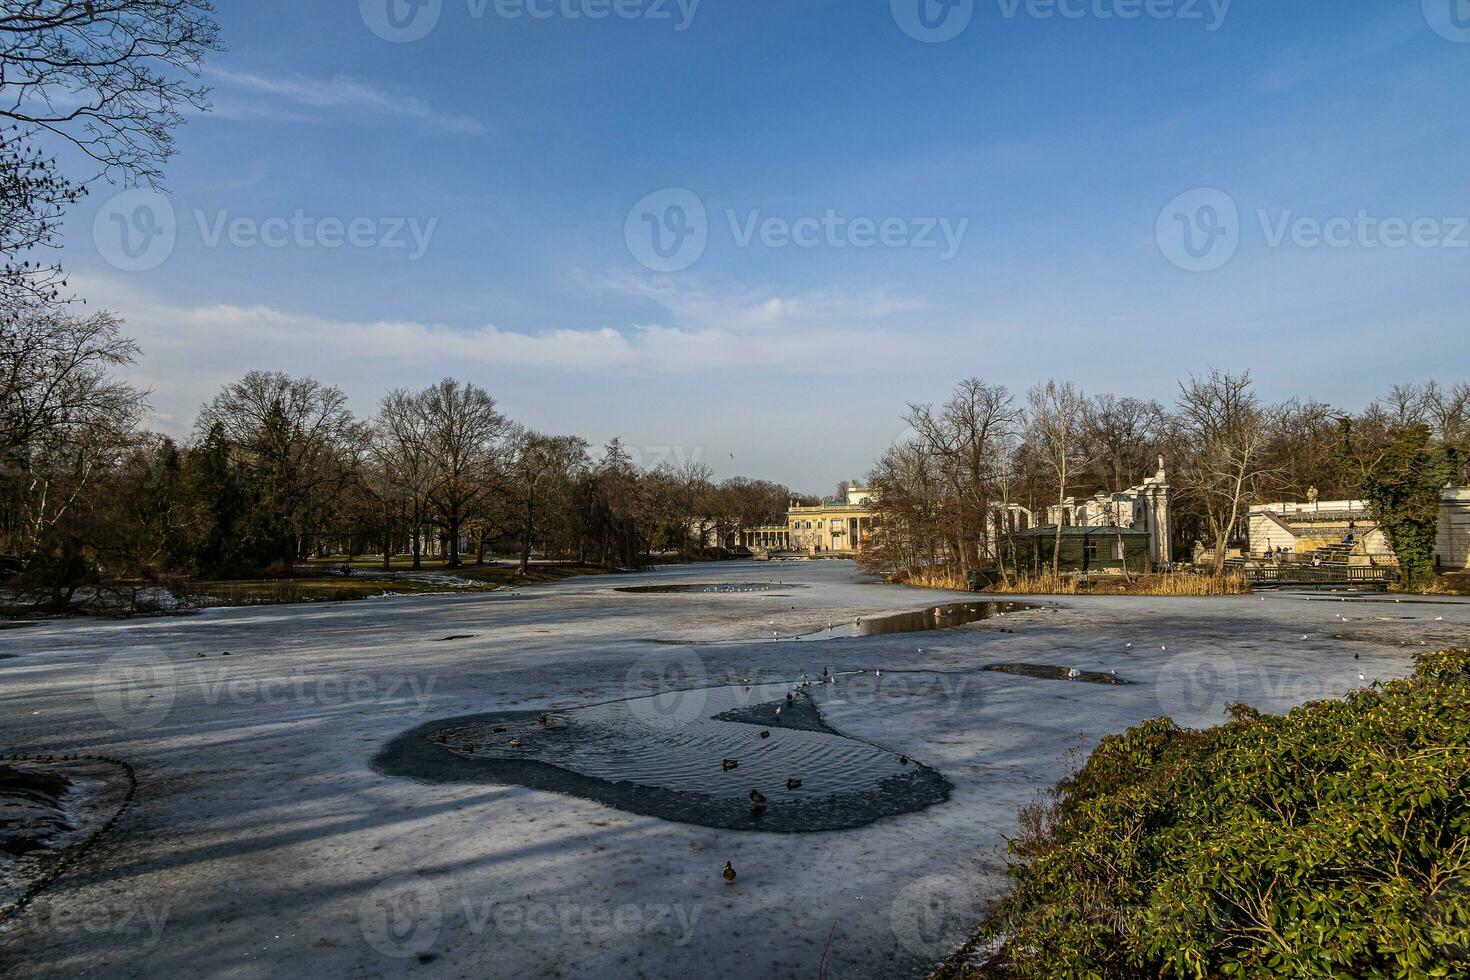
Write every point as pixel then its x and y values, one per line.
pixel 1055 150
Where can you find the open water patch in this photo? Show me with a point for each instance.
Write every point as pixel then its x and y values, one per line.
pixel 710 756
pixel 949 616
pixel 1048 672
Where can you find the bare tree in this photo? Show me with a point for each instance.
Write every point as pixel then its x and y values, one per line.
pixel 910 491
pixel 1124 435
pixel 466 442
pixel 1224 433
pixel 300 442
pixel 55 374
pixel 1056 425
pixel 542 468
pixel 113 78
pixel 967 436
pixel 400 446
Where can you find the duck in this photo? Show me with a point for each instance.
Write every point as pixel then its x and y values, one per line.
pixel 469 746
pixel 903 760
pixel 544 719
pixel 729 873
pixel 729 764
pixel 515 743
pixel 765 734
pixel 441 738
pixel 757 797
pixel 790 698
pixel 793 784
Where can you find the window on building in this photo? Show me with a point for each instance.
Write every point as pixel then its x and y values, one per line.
pixel 1117 551
pixel 1090 550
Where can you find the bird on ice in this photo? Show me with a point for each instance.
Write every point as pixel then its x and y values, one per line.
pixel 729 873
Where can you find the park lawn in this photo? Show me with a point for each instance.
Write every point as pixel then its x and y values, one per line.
pixel 282 591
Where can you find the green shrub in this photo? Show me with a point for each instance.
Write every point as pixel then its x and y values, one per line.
pixel 1334 841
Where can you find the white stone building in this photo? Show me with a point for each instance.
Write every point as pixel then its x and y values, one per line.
pixel 1148 507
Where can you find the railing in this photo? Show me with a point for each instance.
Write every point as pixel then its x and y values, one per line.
pixel 1319 575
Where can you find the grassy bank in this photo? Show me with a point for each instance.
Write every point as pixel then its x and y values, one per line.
pixel 311 582
pixel 1177 584
pixel 368 581
pixel 1333 841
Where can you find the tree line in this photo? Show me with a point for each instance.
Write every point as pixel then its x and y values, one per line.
pixel 279 469
pixel 985 448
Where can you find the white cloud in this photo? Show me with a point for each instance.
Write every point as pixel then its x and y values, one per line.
pixel 281 97
pixel 189 352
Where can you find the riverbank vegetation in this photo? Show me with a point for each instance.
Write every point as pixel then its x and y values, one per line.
pixel 1332 841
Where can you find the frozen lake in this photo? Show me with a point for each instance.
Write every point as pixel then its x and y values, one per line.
pixel 264 841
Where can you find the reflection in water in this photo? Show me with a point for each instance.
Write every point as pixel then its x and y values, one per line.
pixel 1047 672
pixel 937 618
pixel 716 588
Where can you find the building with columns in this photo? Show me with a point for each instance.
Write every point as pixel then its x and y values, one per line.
pixel 837 528
pixel 1147 508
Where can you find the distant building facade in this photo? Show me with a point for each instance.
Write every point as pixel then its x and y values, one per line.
pixel 840 527
pixel 1346 531
pixel 1147 508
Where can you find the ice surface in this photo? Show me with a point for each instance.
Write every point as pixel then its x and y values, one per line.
pixel 264 844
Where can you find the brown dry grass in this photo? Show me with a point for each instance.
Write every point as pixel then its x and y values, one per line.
pixel 931 578
pixel 1455 583
pixel 1177 584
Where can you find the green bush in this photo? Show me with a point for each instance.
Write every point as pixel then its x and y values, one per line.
pixel 1334 841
